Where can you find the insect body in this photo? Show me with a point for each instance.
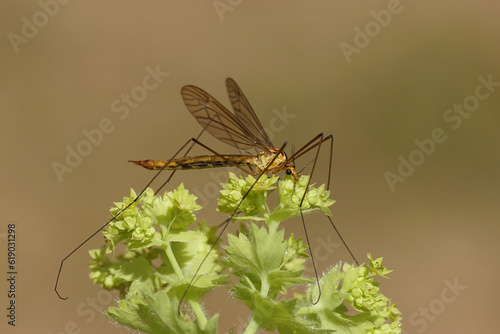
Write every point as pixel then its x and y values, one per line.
pixel 259 162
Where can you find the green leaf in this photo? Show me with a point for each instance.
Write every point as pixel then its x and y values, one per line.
pixel 260 254
pixel 156 313
pixel 272 315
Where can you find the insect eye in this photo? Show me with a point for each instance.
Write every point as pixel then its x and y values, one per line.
pixel 288 171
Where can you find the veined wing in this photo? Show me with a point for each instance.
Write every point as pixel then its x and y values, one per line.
pixel 244 112
pixel 219 121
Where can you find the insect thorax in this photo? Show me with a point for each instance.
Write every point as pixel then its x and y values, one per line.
pixel 264 158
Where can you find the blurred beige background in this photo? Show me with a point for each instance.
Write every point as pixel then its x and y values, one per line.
pixel 385 91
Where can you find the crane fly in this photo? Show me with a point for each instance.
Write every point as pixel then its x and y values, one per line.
pixel 242 130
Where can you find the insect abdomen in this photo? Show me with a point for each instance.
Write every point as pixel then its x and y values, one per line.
pixel 200 162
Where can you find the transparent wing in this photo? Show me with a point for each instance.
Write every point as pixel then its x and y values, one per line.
pixel 219 121
pixel 244 112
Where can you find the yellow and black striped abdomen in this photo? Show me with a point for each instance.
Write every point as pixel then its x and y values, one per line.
pixel 199 162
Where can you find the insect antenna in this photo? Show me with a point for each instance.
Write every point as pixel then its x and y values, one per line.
pixel 300 172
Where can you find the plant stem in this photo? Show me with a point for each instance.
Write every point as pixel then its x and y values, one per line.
pixel 198 311
pixel 195 306
pixel 173 262
pixel 252 327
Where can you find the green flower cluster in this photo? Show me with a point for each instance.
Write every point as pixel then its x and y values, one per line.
pixel 291 196
pixel 236 188
pixel 354 286
pixel 172 212
pixel 161 257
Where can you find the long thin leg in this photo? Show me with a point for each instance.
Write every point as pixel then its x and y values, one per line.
pixel 114 217
pixel 329 218
pixel 320 137
pixel 317 142
pixel 225 224
pixel 342 239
